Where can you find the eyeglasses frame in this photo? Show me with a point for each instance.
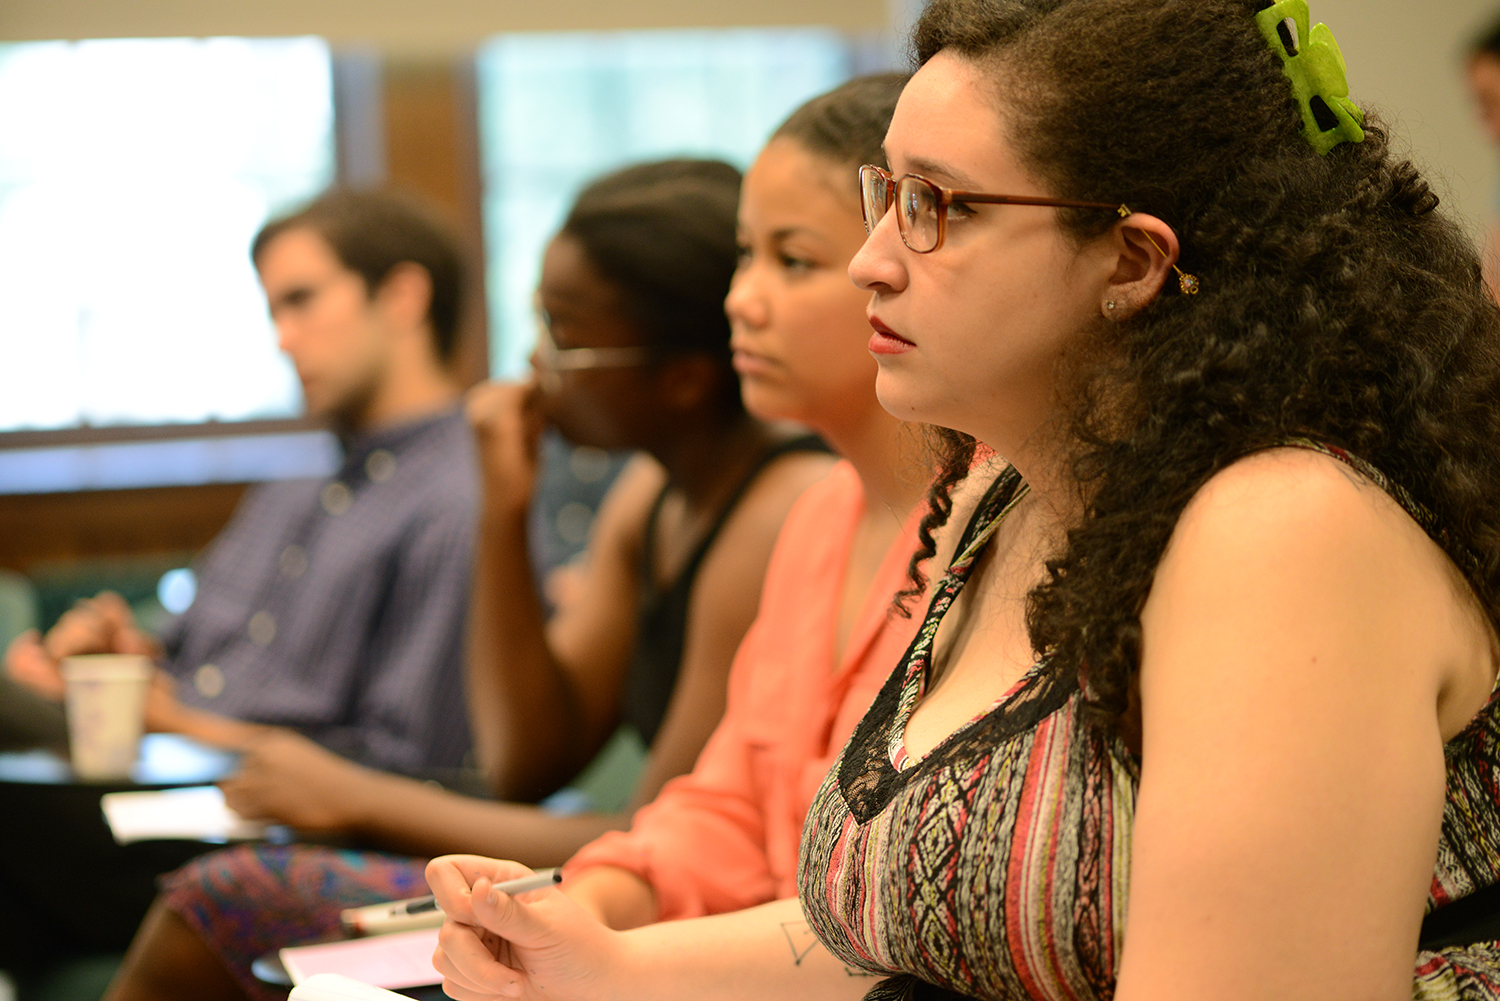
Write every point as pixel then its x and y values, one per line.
pixel 555 359
pixel 947 196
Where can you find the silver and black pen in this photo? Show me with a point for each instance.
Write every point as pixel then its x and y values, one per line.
pixel 422 912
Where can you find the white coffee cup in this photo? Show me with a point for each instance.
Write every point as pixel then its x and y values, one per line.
pixel 106 704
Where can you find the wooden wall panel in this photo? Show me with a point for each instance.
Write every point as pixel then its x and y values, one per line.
pixel 432 149
pixel 41 529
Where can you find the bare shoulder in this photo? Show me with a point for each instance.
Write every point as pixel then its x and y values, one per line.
pixel 1295 486
pixel 1294 549
pixel 757 519
pixel 620 527
pixel 783 480
pixel 728 584
pixel 1305 649
pixel 1292 518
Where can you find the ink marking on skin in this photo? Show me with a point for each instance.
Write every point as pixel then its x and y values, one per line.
pixel 1360 481
pixel 800 937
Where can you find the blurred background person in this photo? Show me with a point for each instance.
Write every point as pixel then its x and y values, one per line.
pixel 724 837
pixel 1482 73
pixel 332 608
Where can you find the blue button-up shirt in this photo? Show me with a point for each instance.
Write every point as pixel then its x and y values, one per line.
pixel 336 607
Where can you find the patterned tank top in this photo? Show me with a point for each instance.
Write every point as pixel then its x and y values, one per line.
pixel 997 866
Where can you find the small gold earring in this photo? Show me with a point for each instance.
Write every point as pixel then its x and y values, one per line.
pixel 1189 284
pixel 1110 304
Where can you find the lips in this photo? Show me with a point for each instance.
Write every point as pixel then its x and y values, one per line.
pixel 747 363
pixel 885 341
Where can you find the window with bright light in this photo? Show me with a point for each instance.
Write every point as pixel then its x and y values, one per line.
pixel 557 110
pixel 133 175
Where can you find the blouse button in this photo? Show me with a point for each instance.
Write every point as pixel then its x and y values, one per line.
pixel 293 562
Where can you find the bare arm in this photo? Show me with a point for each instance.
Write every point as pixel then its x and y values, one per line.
pixel 287 778
pixel 290 779
pixel 615 897
pixel 549 947
pixel 543 697
pixel 165 714
pixel 1306 652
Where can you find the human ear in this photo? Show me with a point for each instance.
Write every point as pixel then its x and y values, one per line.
pixel 406 294
pixel 1145 252
pixel 686 380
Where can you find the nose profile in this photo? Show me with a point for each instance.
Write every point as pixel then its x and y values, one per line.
pixel 285 335
pixel 745 304
pixel 545 377
pixel 878 264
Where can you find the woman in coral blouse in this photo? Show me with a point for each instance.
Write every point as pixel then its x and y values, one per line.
pixel 724 837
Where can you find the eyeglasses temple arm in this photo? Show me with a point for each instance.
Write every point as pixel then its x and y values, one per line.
pixel 1066 203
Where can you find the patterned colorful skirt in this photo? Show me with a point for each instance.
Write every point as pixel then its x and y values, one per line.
pixel 249 900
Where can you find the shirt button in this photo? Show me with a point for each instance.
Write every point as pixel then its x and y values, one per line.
pixel 336 498
pixel 293 562
pixel 380 466
pixel 573 520
pixel 588 464
pixel 262 628
pixel 209 681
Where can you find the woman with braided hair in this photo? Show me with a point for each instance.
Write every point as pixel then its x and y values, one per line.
pixel 1202 705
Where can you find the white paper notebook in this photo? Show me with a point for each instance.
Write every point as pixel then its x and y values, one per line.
pixel 192 813
pixel 334 987
pixel 402 959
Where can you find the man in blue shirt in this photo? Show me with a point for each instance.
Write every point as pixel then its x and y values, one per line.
pixel 332 607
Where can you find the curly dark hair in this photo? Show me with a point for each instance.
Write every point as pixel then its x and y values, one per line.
pixel 662 234
pixel 1336 304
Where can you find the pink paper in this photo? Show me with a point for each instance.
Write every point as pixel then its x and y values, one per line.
pixel 402 959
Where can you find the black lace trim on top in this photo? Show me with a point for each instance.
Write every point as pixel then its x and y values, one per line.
pixel 866 776
pixel 867 779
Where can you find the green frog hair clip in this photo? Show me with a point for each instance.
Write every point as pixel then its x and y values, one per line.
pixel 1313 63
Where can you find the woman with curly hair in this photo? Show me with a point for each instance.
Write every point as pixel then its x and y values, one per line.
pixel 1202 704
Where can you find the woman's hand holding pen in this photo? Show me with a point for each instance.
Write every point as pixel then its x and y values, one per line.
pixel 494 945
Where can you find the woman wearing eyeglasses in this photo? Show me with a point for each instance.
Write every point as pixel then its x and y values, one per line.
pixel 1202 704
pixel 634 354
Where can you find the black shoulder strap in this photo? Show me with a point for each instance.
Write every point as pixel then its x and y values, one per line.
pixel 802 443
pixel 1471 919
